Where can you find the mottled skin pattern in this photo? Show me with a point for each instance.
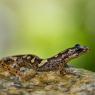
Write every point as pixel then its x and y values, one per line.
pixel 20 64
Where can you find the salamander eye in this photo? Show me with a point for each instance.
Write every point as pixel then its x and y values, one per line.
pixel 77 46
pixel 80 48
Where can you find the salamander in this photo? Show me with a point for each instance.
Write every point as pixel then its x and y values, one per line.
pixel 23 65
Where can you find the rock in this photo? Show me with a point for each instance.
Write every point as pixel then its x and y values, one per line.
pixel 50 83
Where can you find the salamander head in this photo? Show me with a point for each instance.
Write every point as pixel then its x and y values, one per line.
pixel 80 49
pixel 76 51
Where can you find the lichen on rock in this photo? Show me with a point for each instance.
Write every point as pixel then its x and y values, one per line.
pixel 50 83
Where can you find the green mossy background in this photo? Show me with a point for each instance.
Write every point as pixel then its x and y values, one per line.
pixel 46 27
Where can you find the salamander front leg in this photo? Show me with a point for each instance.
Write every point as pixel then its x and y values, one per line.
pixel 62 69
pixel 65 69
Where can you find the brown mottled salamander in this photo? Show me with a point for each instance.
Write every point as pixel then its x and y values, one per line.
pixel 21 64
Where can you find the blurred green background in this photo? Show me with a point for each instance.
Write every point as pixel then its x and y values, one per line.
pixel 46 27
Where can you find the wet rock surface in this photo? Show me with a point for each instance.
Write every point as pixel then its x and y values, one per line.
pixel 50 83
